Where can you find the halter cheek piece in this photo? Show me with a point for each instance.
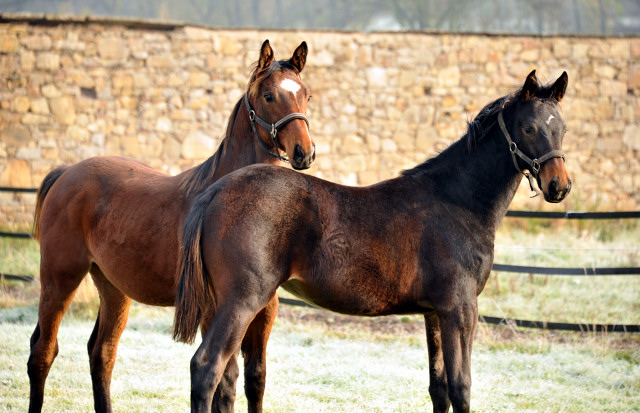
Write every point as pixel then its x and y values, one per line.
pixel 272 128
pixel 534 164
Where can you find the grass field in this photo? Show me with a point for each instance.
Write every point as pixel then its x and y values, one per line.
pixel 324 362
pixel 320 362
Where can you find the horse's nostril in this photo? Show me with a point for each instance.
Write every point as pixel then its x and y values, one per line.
pixel 298 153
pixel 557 191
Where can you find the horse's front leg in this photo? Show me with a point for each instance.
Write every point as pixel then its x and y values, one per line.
pixel 458 327
pixel 437 372
pixel 254 352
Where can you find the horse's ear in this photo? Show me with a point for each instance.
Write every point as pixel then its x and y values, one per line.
pixel 266 55
pixel 560 87
pixel 530 86
pixel 299 57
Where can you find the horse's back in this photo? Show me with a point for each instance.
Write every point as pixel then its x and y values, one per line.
pixel 108 170
pixel 90 184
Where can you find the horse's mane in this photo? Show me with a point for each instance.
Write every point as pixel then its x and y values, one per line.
pixel 483 123
pixel 198 178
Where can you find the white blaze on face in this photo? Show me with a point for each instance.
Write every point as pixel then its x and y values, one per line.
pixel 549 120
pixel 290 85
pixel 293 87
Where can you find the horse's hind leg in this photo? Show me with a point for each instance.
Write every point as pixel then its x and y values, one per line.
pixel 103 344
pixel 56 292
pixel 437 373
pixel 253 347
pixel 225 396
pixel 219 345
pixel 254 352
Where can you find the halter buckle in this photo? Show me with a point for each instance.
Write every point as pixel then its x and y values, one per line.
pixel 252 115
pixel 535 166
pixel 513 148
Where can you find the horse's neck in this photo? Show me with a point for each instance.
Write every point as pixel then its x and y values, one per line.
pixel 483 180
pixel 240 148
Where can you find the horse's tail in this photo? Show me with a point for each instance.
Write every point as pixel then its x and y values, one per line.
pixel 195 292
pixel 46 185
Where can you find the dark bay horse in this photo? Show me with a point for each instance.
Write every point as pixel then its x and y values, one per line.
pixel 419 243
pixel 119 220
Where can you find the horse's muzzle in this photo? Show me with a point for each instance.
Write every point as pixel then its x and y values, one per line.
pixel 302 160
pixel 557 191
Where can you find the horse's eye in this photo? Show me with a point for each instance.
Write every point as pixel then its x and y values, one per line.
pixel 268 97
pixel 529 130
pixel 309 98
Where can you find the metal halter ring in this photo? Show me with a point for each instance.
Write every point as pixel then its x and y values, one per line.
pixel 535 166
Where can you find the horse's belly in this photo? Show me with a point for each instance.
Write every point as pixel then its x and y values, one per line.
pixel 164 297
pixel 350 301
pixel 138 263
pixel 142 285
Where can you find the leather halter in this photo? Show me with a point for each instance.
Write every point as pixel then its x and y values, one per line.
pixel 534 164
pixel 272 128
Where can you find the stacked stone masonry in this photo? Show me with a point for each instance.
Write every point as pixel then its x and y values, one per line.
pixel 72 89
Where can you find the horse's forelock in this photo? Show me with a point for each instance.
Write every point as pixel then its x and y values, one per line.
pixel 485 120
pixel 544 92
pixel 258 74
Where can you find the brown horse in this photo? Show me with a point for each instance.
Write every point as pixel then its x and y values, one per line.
pixel 119 220
pixel 419 243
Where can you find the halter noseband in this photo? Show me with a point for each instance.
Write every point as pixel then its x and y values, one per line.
pixel 534 164
pixel 272 128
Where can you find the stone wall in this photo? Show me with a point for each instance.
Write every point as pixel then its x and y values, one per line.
pixel 71 89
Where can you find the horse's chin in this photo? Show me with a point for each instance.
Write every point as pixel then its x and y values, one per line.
pixel 551 200
pixel 301 167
